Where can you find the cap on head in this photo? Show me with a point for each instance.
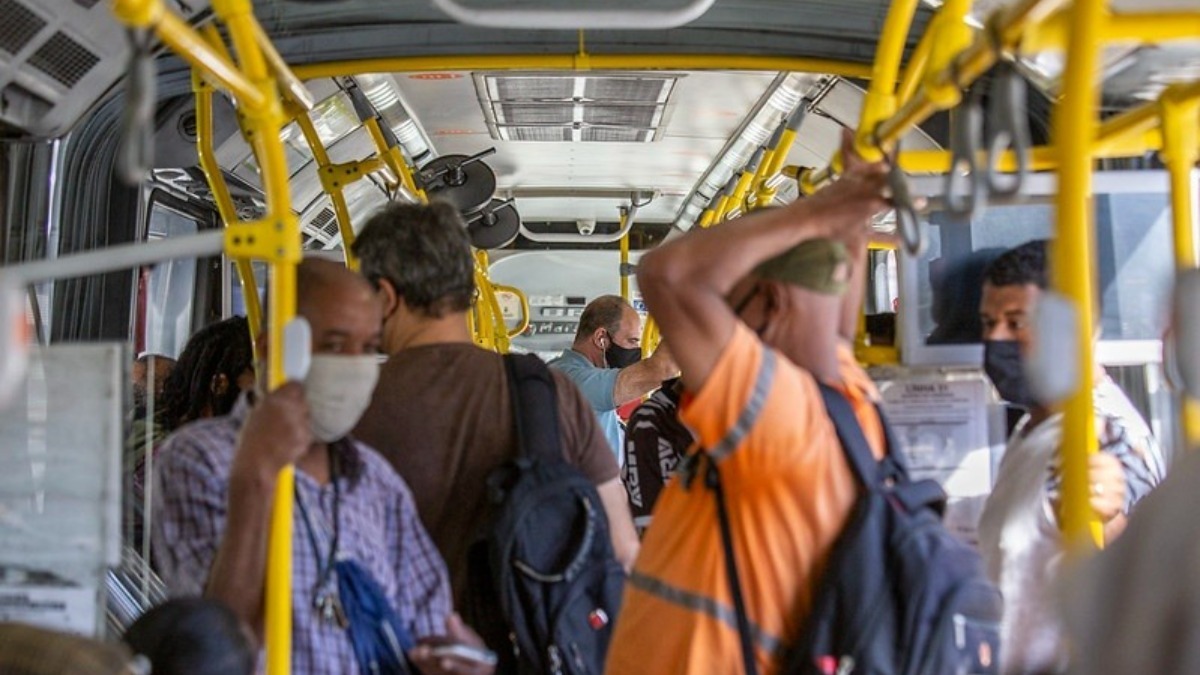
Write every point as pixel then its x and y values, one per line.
pixel 819 265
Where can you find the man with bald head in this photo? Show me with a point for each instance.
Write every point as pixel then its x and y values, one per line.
pixel 217 478
pixel 605 362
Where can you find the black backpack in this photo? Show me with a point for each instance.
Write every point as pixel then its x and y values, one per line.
pixel 900 595
pixel 545 583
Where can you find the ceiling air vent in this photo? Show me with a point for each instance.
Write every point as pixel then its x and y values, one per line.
pixel 64 59
pixel 595 108
pixel 19 26
pixel 326 222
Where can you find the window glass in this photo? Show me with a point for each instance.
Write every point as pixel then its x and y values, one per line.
pixel 170 288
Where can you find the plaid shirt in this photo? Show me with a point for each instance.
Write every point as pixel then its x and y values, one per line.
pixel 379 528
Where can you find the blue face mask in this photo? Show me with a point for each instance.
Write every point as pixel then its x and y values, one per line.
pixel 1002 363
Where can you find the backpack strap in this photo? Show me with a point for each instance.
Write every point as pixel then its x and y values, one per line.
pixel 712 480
pixel 534 401
pixel 871 473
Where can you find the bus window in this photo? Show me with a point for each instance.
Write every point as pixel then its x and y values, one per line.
pixel 170 285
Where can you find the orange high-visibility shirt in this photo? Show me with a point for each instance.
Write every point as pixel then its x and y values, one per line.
pixel 789 492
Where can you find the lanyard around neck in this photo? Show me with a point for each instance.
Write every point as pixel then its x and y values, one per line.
pixel 324 567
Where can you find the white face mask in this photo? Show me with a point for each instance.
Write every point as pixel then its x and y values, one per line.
pixel 338 390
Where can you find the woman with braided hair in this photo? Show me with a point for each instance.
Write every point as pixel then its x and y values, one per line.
pixel 216 366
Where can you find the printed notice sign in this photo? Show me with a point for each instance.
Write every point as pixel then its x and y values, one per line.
pixel 942 424
pixel 68 609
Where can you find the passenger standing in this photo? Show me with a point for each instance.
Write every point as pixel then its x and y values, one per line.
pixel 657 440
pixel 148 373
pixel 1019 530
pixel 217 478
pixel 215 367
pixel 441 413
pixel 655 443
pixel 789 488
pixel 605 362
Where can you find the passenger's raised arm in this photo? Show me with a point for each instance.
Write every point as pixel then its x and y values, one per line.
pixel 686 281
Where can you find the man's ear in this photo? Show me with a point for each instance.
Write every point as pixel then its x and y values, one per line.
pixel 775 298
pixel 389 297
pixel 600 339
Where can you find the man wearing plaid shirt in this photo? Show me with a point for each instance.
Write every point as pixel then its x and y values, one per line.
pixel 216 478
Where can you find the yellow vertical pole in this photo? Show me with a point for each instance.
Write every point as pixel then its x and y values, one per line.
pixel 332 188
pixel 225 207
pixel 1181 149
pixel 625 292
pixel 266 124
pixel 1073 259
pixel 880 102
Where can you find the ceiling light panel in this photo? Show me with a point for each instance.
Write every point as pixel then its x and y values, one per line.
pixel 595 108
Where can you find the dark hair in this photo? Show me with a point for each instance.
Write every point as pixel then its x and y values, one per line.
pixel 1025 264
pixel 223 348
pixel 604 312
pixel 423 252
pixel 192 636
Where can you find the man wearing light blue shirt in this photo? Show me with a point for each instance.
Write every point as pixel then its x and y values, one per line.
pixel 606 363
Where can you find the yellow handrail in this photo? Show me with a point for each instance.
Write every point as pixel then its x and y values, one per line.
pixel 650 337
pixel 1118 28
pixel 1181 150
pixel 275 239
pixel 880 101
pixel 1073 256
pixel 520 295
pixel 915 71
pixel 486 318
pixel 942 84
pixel 334 177
pixel 225 206
pixel 579 61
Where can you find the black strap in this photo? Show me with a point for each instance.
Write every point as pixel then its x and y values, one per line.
pixel 870 472
pixel 535 406
pixel 712 479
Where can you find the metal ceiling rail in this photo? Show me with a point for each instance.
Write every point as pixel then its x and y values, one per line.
pixel 585 61
pixel 572 19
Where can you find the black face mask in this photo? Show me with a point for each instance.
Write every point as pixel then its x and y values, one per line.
pixel 1002 363
pixel 617 356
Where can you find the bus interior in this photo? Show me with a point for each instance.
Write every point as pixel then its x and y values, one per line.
pixel 163 163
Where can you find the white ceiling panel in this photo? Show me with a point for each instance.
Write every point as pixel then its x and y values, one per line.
pixel 703 111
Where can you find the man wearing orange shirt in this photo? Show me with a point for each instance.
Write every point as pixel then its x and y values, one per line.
pixel 759 414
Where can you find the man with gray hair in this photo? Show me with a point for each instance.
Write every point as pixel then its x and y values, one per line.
pixel 441 413
pixel 606 363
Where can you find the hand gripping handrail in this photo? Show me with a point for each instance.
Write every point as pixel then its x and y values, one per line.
pixel 575 19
